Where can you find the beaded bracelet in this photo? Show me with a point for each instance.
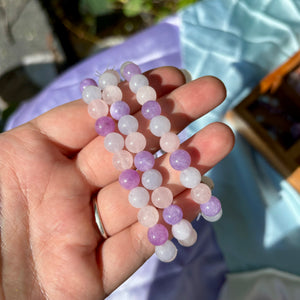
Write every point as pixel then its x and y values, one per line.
pixel 105 98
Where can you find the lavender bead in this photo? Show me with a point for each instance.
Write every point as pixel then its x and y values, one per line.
pixel 172 214
pixel 119 109
pixel 180 160
pixel 104 126
pixel 158 234
pixel 212 207
pixel 129 179
pixel 144 161
pixel 151 109
pixel 87 82
pixel 129 70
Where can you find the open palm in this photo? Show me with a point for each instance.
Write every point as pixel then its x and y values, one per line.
pixel 54 167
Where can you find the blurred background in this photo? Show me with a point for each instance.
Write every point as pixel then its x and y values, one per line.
pixel 40 39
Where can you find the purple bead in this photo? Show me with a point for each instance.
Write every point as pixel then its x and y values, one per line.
pixel 119 109
pixel 180 160
pixel 151 109
pixel 129 179
pixel 212 207
pixel 144 161
pixel 105 125
pixel 87 82
pixel 158 234
pixel 172 214
pixel 130 70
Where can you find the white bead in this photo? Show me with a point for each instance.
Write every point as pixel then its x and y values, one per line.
pixel 151 179
pixel 190 177
pixel 114 72
pixel 160 125
pixel 148 216
pixel 114 142
pixel 90 93
pixel 190 241
pixel 107 78
pixel 166 252
pixel 135 142
pixel 137 81
pixel 145 93
pixel 182 230
pixel 215 218
pixel 111 94
pixel 128 124
pixel 138 197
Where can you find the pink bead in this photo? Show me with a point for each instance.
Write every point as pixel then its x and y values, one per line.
pixel 162 197
pixel 97 108
pixel 122 160
pixel 135 142
pixel 145 93
pixel 169 142
pixel 111 94
pixel 201 193
pixel 148 216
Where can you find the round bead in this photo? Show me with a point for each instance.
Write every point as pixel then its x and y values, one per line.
pixel 119 109
pixel 144 161
pixel 114 72
pixel 158 234
pixel 151 179
pixel 104 126
pixel 148 216
pixel 114 142
pixel 201 193
pixel 137 81
pixel 182 230
pixel 166 252
pixel 190 241
pixel 214 218
pixel 107 78
pixel 180 160
pixel 122 160
pixel 129 179
pixel 97 108
pixel 138 197
pixel 135 142
pixel 128 124
pixel 145 93
pixel 190 177
pixel 91 93
pixel 162 197
pixel 212 207
pixel 169 142
pixel 160 125
pixel 129 70
pixel 87 82
pixel 112 93
pixel 172 214
pixel 151 109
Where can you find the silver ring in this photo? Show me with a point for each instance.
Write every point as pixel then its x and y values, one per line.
pixel 98 221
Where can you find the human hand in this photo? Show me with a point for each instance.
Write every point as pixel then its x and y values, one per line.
pixel 53 167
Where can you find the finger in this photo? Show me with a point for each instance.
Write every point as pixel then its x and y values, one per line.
pixel 182 105
pixel 70 126
pixel 207 148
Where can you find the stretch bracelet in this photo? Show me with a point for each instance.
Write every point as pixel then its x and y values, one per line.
pixel 105 104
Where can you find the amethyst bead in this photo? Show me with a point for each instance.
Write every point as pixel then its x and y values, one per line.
pixel 151 109
pixel 87 82
pixel 129 179
pixel 105 125
pixel 172 214
pixel 180 160
pixel 158 234
pixel 131 69
pixel 212 207
pixel 144 161
pixel 119 109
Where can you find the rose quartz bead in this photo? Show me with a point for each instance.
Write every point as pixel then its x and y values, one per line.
pixel 169 142
pixel 145 93
pixel 135 142
pixel 148 216
pixel 190 241
pixel 122 160
pixel 201 193
pixel 166 252
pixel 162 197
pixel 114 142
pixel 97 108
pixel 111 94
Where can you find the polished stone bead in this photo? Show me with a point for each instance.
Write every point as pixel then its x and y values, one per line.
pixel 162 197
pixel 114 142
pixel 106 79
pixel 130 69
pixel 87 82
pixel 180 160
pixel 104 126
pixel 119 109
pixel 201 193
pixel 182 230
pixel 152 179
pixel 158 234
pixel 122 160
pixel 91 93
pixel 97 108
pixel 129 179
pixel 137 81
pixel 172 214
pixel 190 240
pixel 144 161
pixel 169 142
pixel 151 109
pixel 166 252
pixel 145 93
pixel 211 207
pixel 159 125
pixel 128 124
pixel 138 197
pixel 190 177
pixel 135 142
pixel 148 216
pixel 111 94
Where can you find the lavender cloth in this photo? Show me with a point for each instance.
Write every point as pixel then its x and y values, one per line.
pixel 198 270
